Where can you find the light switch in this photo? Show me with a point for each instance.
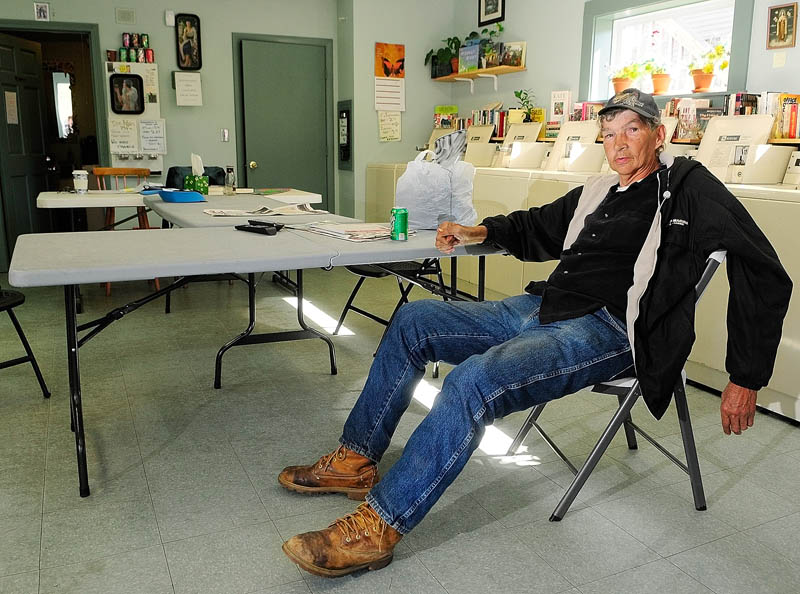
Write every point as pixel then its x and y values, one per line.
pixel 225 135
pixel 169 18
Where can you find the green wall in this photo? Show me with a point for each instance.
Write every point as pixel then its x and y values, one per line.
pixel 195 129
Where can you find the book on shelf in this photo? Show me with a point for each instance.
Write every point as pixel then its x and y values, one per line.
pixel 444 116
pixel 468 57
pixel 551 129
pixel 513 53
pixel 586 110
pixel 785 125
pixel 560 104
pixel 491 54
pixel 742 104
pixel 703 115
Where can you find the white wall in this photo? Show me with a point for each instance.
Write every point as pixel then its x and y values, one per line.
pixel 195 129
pixel 420 25
pixel 761 76
pixel 552 31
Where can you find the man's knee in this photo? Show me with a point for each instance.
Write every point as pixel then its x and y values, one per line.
pixel 415 316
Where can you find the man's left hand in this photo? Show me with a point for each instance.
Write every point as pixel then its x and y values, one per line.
pixel 738 408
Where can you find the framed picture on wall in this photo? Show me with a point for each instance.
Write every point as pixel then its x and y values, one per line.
pixel 127 93
pixel 187 39
pixel 782 26
pixel 491 11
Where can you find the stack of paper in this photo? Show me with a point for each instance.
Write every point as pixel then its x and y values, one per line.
pixel 289 209
pixel 352 231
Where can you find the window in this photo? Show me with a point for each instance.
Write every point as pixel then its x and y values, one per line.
pixel 62 92
pixel 672 34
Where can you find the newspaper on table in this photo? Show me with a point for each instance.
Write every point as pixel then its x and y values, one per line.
pixel 288 209
pixel 351 231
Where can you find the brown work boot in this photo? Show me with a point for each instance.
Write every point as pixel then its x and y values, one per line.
pixel 342 471
pixel 361 540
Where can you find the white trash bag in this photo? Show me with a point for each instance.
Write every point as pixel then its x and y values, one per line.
pixel 433 193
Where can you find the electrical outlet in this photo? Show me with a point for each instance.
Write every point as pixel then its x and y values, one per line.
pixel 169 18
pixel 225 135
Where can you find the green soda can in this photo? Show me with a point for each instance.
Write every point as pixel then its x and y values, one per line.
pixel 399 224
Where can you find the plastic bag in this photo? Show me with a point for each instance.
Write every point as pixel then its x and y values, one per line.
pixel 433 193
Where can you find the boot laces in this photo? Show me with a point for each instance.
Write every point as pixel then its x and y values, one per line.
pixel 364 519
pixel 326 461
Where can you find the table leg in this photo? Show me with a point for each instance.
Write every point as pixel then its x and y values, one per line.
pixel 73 365
pixel 481 277
pixel 247 337
pixel 454 276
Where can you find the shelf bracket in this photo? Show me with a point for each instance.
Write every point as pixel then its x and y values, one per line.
pixel 492 76
pixel 471 84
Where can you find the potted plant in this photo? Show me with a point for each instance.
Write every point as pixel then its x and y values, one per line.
pixel 490 45
pixel 440 62
pixel 623 78
pixel 453 44
pixel 702 71
pixel 659 76
pixel 526 100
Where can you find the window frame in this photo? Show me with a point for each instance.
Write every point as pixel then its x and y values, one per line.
pixel 598 23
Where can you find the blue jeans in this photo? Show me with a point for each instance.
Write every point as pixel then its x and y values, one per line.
pixel 505 361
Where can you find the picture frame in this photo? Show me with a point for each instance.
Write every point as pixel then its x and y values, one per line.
pixel 491 11
pixel 41 11
pixel 513 53
pixel 126 93
pixel 187 41
pixel 782 26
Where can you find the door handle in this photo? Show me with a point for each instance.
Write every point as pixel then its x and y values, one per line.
pixel 253 165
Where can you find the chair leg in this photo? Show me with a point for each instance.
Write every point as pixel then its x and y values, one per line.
pixel 533 416
pixel 630 434
pixel 435 373
pixel 348 304
pixel 29 352
pixel 616 422
pixel 689 448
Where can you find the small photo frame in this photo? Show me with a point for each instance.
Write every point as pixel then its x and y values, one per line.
pixel 491 11
pixel 513 53
pixel 782 26
pixel 187 40
pixel 41 11
pixel 127 93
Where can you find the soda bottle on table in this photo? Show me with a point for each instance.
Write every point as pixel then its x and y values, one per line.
pixel 230 181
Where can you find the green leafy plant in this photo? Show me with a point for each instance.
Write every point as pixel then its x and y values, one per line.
pixel 526 100
pixel 717 58
pixel 443 54
pixel 651 67
pixel 631 71
pixel 453 44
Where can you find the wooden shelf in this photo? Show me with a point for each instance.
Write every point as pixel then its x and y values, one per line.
pixel 685 141
pixel 495 70
pixel 784 141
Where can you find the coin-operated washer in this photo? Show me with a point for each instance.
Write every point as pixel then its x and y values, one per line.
pixel 735 149
pixel 136 132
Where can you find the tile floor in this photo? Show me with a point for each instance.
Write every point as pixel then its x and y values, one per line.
pixel 184 497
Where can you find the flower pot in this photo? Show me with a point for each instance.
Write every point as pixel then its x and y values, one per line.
pixel 454 64
pixel 660 83
pixel 620 84
pixel 702 80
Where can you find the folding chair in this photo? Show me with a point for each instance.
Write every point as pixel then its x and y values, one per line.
pixel 413 271
pixel 8 301
pixel 122 174
pixel 628 392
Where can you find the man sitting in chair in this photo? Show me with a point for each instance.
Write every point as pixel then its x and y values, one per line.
pixel 631 247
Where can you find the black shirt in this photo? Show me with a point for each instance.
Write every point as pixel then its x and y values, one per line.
pixel 597 270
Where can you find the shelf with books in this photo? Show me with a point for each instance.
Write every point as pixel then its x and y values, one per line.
pixel 784 141
pixel 494 70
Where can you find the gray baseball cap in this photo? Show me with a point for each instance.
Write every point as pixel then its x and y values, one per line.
pixel 635 100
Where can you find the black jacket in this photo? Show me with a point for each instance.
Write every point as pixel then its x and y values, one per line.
pixel 697 216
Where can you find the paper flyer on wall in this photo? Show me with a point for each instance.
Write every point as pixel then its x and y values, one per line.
pixel 389 126
pixel 389 71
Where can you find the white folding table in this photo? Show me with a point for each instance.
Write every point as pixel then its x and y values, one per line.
pixel 69 259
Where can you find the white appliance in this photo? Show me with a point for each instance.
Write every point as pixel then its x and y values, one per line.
pixel 576 148
pixel 480 152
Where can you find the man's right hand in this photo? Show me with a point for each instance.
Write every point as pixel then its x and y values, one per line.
pixel 449 235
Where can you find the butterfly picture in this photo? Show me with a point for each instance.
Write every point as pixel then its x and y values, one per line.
pixel 390 60
pixel 394 69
